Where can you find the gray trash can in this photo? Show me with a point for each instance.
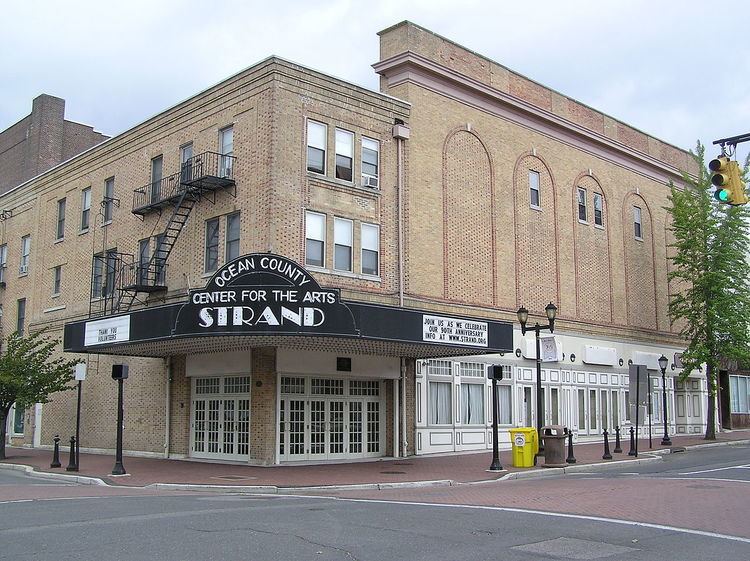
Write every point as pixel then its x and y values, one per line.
pixel 554 445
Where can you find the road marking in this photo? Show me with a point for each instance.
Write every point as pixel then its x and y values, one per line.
pixel 563 515
pixel 17 501
pixel 744 466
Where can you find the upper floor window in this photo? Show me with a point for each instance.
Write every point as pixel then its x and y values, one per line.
pixel 25 252
pixel 342 240
pixel 212 245
pixel 85 208
pixel 103 281
pixel 3 261
pixel 157 170
pixel 598 217
pixel 144 256
pixel 534 195
pixel 637 229
pixel 226 148
pixel 160 259
pixel 370 249
pixel 370 162
pixel 316 147
pixel 109 199
pixel 186 162
pixel 344 154
pixel 232 244
pixel 21 316
pixel 315 239
pixel 56 280
pixel 60 231
pixel 582 204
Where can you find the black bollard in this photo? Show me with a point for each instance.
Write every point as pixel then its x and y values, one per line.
pixel 632 442
pixel 56 453
pixel 618 448
pixel 571 458
pixel 72 465
pixel 607 455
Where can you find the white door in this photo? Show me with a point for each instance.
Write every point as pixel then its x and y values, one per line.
pixel 220 424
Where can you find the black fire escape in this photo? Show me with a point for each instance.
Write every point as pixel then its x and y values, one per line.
pixel 117 278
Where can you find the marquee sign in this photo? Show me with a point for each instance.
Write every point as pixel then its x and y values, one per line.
pixel 263 293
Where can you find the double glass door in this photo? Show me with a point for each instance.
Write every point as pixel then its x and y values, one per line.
pixel 220 426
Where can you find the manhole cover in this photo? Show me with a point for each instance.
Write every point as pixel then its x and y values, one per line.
pixel 393 472
pixel 573 548
pixel 234 477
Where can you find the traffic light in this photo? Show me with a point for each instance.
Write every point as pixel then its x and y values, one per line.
pixel 726 178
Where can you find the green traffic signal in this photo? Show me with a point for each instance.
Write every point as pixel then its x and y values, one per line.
pixel 721 195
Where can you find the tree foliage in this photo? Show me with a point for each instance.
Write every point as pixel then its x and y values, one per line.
pixel 712 273
pixel 30 373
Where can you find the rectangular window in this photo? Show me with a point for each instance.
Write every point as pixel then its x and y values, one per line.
pixel 627 405
pixel 472 404
pixel 342 248
pixel 97 281
pixel 637 223
pixel 109 199
pixel 56 280
pixel 144 256
pixel 3 261
pixel 226 148
pixel 85 208
pixel 534 194
pixel 582 204
pixel 18 421
pixel 370 162
pixel 60 233
pixel 344 154
pixel 739 392
pixel 160 260
pixel 157 168
pixel 25 252
pixel 21 316
pixel 212 245
pixel 598 217
pixel 504 404
pixel 186 163
pixel 232 244
pixel 440 410
pixel 109 281
pixel 315 239
pixel 370 249
pixel 316 147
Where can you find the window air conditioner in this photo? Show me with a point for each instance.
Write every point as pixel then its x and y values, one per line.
pixel 23 269
pixel 369 181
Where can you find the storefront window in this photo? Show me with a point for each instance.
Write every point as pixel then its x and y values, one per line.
pixel 472 404
pixel 18 421
pixel 440 403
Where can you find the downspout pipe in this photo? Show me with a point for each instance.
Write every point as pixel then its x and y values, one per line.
pixel 168 407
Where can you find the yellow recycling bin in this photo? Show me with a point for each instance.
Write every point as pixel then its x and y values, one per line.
pixel 525 446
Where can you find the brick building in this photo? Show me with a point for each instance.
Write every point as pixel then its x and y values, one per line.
pixel 40 141
pixel 280 258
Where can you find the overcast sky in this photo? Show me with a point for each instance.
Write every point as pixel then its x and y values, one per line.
pixel 679 70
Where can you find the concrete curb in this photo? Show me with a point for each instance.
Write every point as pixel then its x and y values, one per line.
pixel 31 472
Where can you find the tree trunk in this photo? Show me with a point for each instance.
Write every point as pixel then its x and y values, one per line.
pixel 711 413
pixel 3 419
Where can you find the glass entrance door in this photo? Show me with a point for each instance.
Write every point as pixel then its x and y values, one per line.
pixel 220 424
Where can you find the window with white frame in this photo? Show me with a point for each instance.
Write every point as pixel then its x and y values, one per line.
pixel 582 204
pixel 103 281
pixel 370 249
pixel 160 260
pixel 315 239
pixel 3 261
pixel 186 162
pixel 637 229
pixel 473 369
pixel 109 199
pixel 739 394
pixel 226 149
pixel 232 242
pixel 316 147
pixel 342 244
pixel 85 208
pixel 21 315
pixel 344 154
pixel 144 256
pixel 157 174
pixel 439 392
pixel 60 230
pixel 211 260
pixel 56 280
pixel 370 162
pixel 504 403
pixel 25 252
pixel 472 403
pixel 534 195
pixel 598 208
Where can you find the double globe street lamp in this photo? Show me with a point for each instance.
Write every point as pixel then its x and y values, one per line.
pixel 663 361
pixel 523 317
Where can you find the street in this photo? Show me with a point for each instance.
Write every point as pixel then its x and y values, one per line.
pixel 691 506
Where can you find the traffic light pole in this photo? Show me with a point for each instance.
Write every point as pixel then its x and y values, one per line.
pixel 733 140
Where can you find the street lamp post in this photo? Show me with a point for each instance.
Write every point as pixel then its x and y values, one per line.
pixel 663 361
pixel 523 317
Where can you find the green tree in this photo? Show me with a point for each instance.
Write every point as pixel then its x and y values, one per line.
pixel 712 273
pixel 30 374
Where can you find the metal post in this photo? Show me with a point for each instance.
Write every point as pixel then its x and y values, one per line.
pixel 607 455
pixel 72 462
pixel 637 408
pixel 650 412
pixel 632 451
pixel 539 411
pixel 56 453
pixel 618 447
pixel 119 469
pixel 495 465
pixel 78 428
pixel 570 459
pixel 665 441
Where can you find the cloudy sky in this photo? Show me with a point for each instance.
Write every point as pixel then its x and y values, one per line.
pixel 677 69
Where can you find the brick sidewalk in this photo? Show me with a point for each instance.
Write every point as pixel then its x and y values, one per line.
pixel 459 468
